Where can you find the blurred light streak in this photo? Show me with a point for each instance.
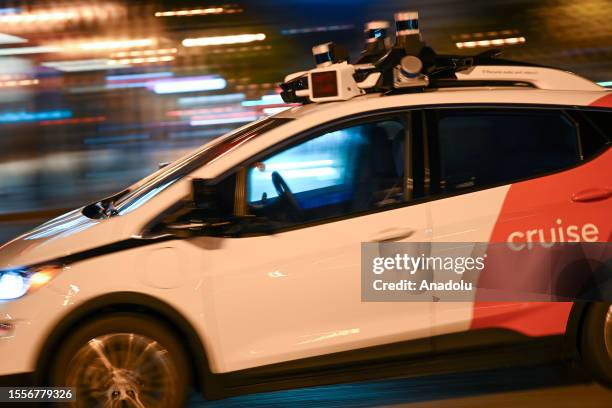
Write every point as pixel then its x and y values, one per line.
pixel 211 99
pixel 12 77
pixel 40 49
pixel 127 85
pixel 11 39
pixel 234 50
pixel 141 60
pixel 134 80
pixel 306 30
pixel 188 84
pixel 116 139
pixel 226 115
pixel 490 43
pixel 199 133
pixel 138 77
pixel 194 12
pixel 9 10
pixel 84 46
pixel 223 40
pixel 14 18
pixel 265 100
pixel 114 44
pixel 605 83
pixel 86 89
pixel 487 34
pixel 81 65
pixel 144 53
pixel 18 83
pixel 260 86
pixel 227 9
pixel 38 17
pixel 73 121
pixel 23 116
pixel 192 112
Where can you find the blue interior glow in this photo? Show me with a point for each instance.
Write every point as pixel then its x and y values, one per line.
pixel 318 163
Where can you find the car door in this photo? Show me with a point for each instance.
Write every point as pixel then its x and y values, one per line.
pixel 292 290
pixel 511 174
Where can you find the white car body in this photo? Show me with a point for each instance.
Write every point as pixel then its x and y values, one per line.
pixel 269 299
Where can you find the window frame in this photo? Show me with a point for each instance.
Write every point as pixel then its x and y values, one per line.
pixel 417 114
pixel 239 171
pixel 406 115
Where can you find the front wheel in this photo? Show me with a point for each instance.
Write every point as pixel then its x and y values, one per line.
pixel 596 342
pixel 123 360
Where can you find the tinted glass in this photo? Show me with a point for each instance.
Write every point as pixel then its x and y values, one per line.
pixel 481 147
pixel 595 130
pixel 340 172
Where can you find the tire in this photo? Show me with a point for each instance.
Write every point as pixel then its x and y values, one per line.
pixel 123 360
pixel 596 342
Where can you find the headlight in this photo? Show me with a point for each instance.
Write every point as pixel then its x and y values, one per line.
pixel 14 283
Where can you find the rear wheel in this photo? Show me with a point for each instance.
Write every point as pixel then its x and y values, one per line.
pixel 596 342
pixel 123 360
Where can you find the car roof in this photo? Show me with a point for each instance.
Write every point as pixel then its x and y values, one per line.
pixel 446 96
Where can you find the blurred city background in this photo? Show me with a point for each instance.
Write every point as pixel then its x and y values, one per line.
pixel 95 94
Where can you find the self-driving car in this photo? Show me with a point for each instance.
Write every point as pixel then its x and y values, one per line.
pixel 236 269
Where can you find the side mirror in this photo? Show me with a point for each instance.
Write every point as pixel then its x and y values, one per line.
pixel 206 205
pixel 205 195
pixel 206 216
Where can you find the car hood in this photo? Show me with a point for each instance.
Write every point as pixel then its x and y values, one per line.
pixel 65 235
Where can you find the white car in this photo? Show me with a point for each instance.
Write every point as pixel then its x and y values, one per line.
pixel 237 267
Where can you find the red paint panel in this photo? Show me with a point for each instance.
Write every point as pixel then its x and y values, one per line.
pixel 530 318
pixel 538 208
pixel 603 102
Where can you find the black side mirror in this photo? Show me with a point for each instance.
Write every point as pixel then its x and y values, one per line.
pixel 205 215
pixel 205 195
pixel 205 201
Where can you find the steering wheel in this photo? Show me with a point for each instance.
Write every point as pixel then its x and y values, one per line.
pixel 283 191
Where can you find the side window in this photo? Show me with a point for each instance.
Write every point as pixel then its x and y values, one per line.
pixel 337 173
pixel 480 147
pixel 595 130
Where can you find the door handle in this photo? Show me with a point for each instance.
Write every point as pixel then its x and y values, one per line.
pixel 592 194
pixel 393 234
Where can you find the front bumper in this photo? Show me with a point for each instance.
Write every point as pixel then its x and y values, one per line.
pixel 32 318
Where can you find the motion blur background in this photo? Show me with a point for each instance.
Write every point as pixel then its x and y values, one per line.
pixel 95 94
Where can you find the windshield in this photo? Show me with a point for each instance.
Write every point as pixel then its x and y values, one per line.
pixel 151 186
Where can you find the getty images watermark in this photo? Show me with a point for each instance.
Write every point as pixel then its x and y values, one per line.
pixel 485 272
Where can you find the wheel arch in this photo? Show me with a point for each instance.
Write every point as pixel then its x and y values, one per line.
pixel 136 303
